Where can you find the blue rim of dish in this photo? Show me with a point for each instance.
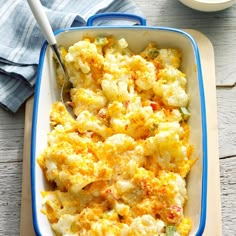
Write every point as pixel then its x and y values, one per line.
pixel 202 103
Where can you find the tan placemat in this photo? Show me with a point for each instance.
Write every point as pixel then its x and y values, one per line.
pixel 213 222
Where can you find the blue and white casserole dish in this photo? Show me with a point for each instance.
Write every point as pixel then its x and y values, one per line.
pixel 138 37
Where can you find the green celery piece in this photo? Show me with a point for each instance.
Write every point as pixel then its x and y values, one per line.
pixel 170 230
pixel 184 112
pixel 101 41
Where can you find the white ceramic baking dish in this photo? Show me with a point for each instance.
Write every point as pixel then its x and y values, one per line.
pixel 138 37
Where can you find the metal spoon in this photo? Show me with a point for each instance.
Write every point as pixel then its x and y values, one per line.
pixel 39 14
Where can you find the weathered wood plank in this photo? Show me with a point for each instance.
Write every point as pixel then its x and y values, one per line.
pixel 226 105
pixel 228 194
pixel 11 135
pixel 10 194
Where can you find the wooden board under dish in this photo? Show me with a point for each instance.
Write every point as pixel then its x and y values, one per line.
pixel 213 222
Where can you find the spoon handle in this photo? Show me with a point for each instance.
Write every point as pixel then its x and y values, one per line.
pixel 41 17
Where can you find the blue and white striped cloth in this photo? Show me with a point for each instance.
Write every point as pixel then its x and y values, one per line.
pixel 21 39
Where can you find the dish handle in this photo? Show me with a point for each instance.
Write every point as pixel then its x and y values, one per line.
pixel 116 15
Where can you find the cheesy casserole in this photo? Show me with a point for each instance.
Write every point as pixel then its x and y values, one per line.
pixel 120 167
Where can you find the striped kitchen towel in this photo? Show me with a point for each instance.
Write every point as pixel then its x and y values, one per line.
pixel 21 39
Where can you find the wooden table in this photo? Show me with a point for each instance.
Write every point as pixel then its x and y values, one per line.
pixel 220 28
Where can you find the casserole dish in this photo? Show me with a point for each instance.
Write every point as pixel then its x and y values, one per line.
pixel 137 37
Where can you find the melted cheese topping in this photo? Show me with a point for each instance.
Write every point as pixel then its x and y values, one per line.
pixel 120 167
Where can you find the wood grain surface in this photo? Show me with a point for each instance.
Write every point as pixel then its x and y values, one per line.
pixel 220 28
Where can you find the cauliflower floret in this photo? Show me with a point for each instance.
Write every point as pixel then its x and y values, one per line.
pixel 165 115
pixel 122 209
pixel 83 56
pixel 122 142
pixel 123 43
pixel 171 87
pixel 87 122
pixel 144 72
pixel 146 225
pixel 169 57
pixel 171 128
pixel 175 115
pixel 87 81
pixel 86 99
pixel 105 227
pixel 116 90
pixel 116 65
pixel 168 148
pixel 135 123
pixel 116 109
pixel 178 184
pixel 72 171
pixel 130 117
pixel 63 226
pixel 167 132
pixel 174 95
pixel 123 186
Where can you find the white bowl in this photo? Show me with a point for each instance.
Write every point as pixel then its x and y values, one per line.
pixel 137 37
pixel 208 5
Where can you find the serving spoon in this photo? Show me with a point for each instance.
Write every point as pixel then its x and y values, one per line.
pixel 43 22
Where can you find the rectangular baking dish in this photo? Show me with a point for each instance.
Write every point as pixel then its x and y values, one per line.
pixel 138 37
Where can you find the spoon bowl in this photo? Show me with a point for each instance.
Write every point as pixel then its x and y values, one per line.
pixel 43 22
